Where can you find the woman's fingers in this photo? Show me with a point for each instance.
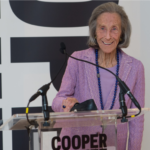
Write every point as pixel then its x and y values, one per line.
pixel 68 103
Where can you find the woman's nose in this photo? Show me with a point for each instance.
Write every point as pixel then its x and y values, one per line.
pixel 108 35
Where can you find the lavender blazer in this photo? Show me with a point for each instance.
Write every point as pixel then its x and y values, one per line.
pixel 80 81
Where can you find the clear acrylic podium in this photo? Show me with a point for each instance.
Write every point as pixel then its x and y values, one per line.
pixel 95 130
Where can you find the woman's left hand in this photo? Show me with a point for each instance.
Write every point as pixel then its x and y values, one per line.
pixel 68 103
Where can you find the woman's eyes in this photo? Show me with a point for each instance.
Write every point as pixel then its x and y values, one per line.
pixel 102 28
pixel 114 28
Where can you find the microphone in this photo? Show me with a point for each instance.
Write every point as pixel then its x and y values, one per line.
pixel 41 91
pixel 124 89
pixel 63 48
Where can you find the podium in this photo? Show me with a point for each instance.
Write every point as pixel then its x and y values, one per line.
pixel 91 130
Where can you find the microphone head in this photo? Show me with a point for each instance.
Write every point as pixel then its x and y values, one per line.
pixel 62 48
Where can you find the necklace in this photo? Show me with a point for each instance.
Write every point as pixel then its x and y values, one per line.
pixel 99 81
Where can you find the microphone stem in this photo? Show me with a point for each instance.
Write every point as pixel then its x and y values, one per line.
pixel 123 106
pixel 45 107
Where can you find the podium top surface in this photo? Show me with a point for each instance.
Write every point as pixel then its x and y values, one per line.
pixel 69 119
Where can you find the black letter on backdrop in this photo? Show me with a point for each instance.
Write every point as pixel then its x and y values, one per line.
pixel 66 146
pixel 94 140
pixel 55 14
pixel 1 133
pixel 102 140
pixel 53 143
pixel 74 139
pixel 85 140
pixel 0 73
pixel 0 51
pixel 0 85
pixel 45 49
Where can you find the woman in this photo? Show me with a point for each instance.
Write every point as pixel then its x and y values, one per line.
pixel 110 31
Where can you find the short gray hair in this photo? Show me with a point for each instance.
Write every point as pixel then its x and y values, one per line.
pixel 125 24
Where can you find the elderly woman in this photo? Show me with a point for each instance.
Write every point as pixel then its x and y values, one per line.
pixel 110 31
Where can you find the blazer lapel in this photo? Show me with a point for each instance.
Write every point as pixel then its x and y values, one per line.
pixel 92 76
pixel 124 70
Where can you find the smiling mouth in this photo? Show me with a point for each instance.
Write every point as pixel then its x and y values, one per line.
pixel 107 43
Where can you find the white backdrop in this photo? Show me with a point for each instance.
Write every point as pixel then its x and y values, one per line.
pixel 21 80
pixel 138 12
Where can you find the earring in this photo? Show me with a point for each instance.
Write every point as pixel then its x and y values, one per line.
pixel 120 39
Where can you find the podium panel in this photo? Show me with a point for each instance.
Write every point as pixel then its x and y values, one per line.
pixel 92 130
pixel 56 140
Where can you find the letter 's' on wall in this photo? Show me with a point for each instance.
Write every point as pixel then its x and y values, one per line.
pixel 55 14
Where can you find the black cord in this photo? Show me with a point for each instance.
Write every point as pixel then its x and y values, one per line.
pixel 93 64
pixel 32 122
pixel 59 70
pixel 27 111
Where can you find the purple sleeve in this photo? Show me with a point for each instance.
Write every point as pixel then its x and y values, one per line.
pixel 136 126
pixel 67 85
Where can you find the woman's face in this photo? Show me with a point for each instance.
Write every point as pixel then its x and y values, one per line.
pixel 108 31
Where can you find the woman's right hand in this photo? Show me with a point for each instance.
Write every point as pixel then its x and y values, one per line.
pixel 68 103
